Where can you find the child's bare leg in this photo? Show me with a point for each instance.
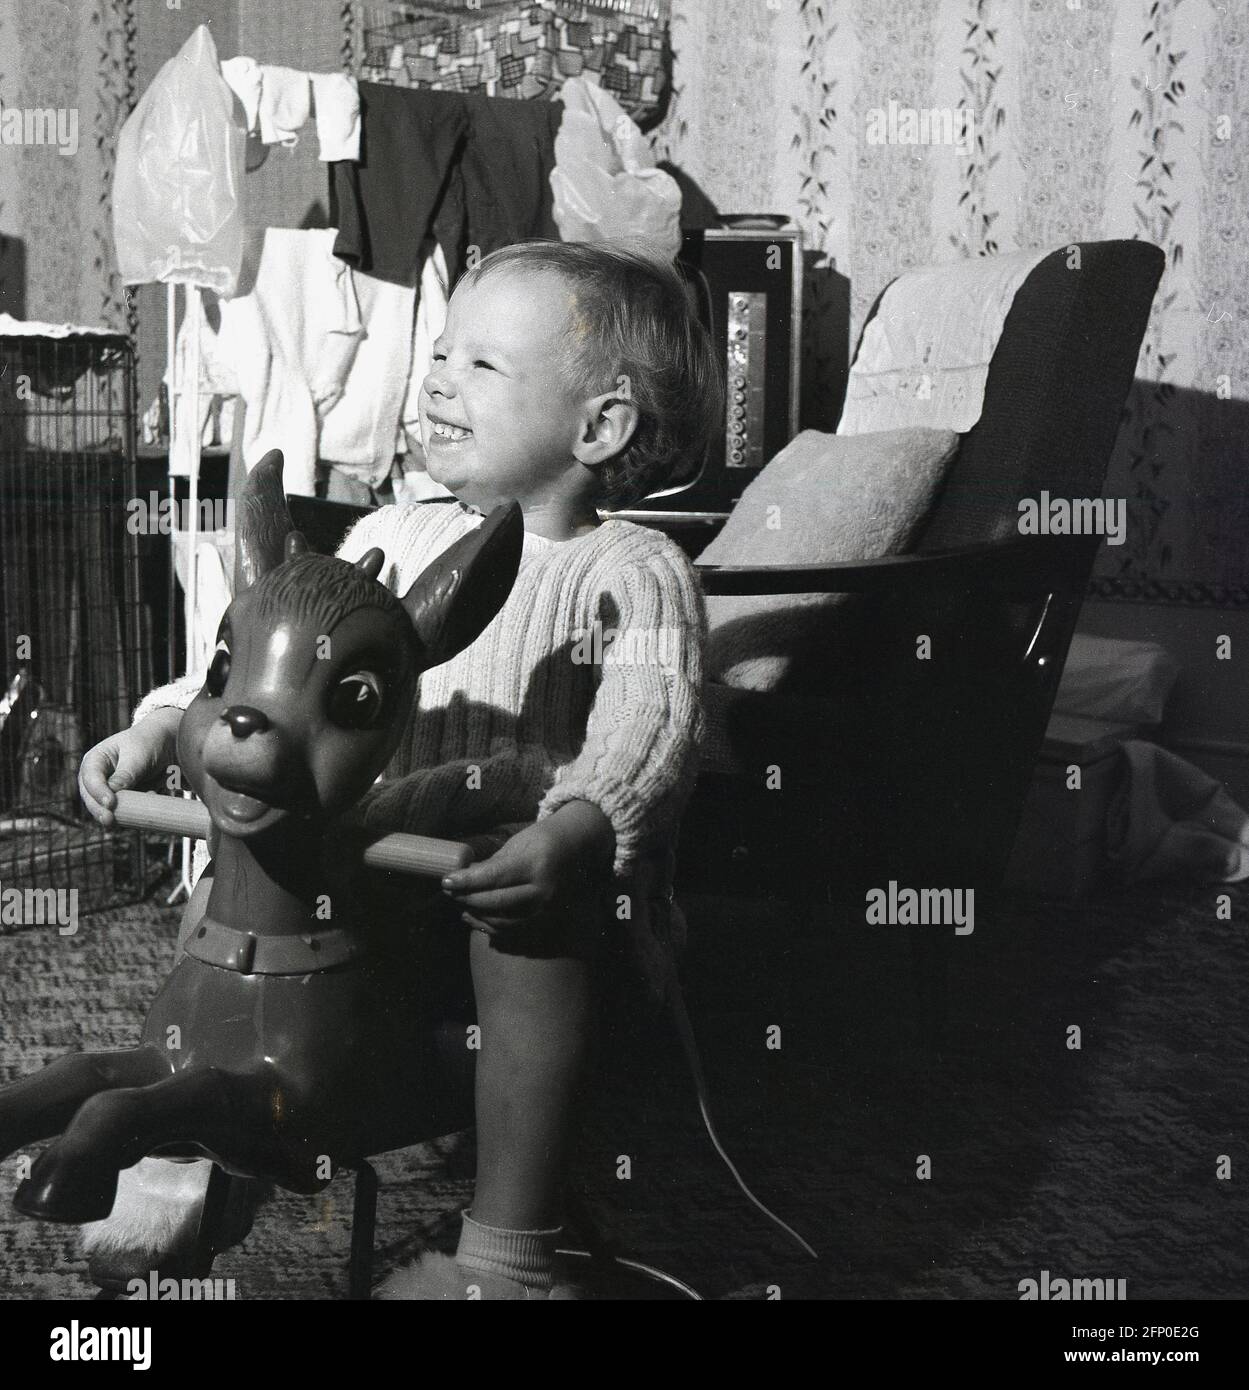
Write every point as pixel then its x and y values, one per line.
pixel 537 1014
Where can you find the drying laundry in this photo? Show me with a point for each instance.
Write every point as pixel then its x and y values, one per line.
pixel 319 356
pixel 468 170
pixel 336 106
pixel 431 315
pixel 415 484
pixel 278 101
pixel 243 76
pixel 359 430
pixel 291 341
pixel 285 104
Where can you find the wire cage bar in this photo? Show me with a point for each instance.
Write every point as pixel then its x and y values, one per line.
pixel 75 639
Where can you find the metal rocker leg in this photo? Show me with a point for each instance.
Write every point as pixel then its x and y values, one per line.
pixel 363 1226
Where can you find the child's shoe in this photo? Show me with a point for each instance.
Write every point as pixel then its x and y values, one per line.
pixel 491 1263
pixel 436 1276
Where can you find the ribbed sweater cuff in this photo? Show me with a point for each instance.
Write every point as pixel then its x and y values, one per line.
pixel 177 694
pixel 525 1256
pixel 616 801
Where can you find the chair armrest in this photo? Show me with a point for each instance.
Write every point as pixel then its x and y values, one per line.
pixel 1023 567
pixel 676 521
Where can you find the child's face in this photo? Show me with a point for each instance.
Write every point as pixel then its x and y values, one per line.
pixel 498 419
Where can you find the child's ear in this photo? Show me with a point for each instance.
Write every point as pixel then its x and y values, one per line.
pixel 608 422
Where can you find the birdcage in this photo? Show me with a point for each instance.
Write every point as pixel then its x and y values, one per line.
pixel 75 649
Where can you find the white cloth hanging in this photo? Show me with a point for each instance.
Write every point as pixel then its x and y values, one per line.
pixel 321 356
pixel 336 105
pixel 287 347
pixel 285 104
pixel 243 77
pixel 431 314
pixel 359 431
pixel 277 102
pixel 214 552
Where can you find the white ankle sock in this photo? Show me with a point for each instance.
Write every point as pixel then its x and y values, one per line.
pixel 525 1256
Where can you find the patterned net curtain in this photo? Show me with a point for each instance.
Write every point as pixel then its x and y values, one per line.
pixel 507 49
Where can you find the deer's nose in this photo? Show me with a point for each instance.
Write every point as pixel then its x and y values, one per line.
pixel 244 720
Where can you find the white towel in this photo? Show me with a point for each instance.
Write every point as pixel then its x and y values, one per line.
pixel 243 76
pixel 292 341
pixel 320 355
pixel 336 106
pixel 925 355
pixel 431 314
pixel 358 433
pixel 285 104
pixel 277 101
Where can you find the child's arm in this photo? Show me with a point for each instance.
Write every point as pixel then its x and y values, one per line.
pixel 462 797
pixel 635 767
pixel 467 796
pixel 133 758
pixel 640 755
pixel 559 862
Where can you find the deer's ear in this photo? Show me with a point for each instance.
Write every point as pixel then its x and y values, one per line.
pixel 264 521
pixel 371 562
pixel 458 595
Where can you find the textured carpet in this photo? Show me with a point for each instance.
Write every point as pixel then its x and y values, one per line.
pixel 1096 1162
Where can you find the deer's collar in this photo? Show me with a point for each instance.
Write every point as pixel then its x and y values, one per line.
pixel 248 953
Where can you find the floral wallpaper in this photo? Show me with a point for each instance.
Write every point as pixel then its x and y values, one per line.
pixel 1089 119
pixel 77 62
pixel 1093 119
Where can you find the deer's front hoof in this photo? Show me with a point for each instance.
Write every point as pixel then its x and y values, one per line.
pixel 54 1193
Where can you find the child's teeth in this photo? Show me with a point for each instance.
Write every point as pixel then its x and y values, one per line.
pixel 452 432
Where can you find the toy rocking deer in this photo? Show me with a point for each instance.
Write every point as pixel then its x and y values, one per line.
pixel 292 1037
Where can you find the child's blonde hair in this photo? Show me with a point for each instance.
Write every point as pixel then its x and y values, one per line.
pixel 634 331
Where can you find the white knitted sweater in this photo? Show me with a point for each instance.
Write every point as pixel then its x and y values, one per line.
pixel 538 712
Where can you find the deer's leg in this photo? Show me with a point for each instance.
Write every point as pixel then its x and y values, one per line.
pixel 75 1178
pixel 43 1103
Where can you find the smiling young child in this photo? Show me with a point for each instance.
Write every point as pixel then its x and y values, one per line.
pixel 572 378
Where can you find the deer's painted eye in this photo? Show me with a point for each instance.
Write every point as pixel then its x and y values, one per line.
pixel 218 670
pixel 356 701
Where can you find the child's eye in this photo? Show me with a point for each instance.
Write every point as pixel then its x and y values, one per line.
pixel 440 357
pixel 479 363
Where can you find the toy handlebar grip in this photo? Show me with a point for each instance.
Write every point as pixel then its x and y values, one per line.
pixel 167 815
pixel 404 854
pixel 418 854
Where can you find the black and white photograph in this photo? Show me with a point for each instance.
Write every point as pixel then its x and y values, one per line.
pixel 624 662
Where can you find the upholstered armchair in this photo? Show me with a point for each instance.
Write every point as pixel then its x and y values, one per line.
pixel 869 759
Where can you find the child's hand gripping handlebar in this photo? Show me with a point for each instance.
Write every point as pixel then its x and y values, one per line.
pixel 404 854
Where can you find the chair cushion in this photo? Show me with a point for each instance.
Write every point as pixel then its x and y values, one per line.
pixel 823 499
